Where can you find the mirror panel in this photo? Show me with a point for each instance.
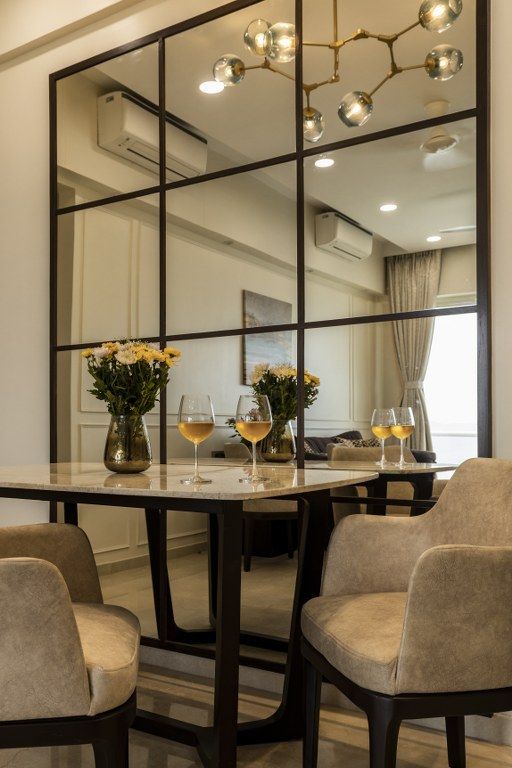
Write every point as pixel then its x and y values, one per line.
pixel 359 371
pixel 249 120
pixel 108 272
pixel 227 237
pixel 107 128
pixel 357 251
pixel 220 367
pixel 364 63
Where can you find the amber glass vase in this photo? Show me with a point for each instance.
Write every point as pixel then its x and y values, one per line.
pixel 128 448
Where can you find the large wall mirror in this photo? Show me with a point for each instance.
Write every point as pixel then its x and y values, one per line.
pixel 238 205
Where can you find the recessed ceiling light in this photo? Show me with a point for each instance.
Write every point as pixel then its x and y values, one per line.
pixel 211 86
pixel 324 162
pixel 388 207
pixel 433 239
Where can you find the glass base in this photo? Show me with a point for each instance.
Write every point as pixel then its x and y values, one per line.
pixel 198 480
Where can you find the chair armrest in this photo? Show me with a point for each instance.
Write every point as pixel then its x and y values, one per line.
pixel 368 553
pixel 458 621
pixel 42 666
pixel 66 546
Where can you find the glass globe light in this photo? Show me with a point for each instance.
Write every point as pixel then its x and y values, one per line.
pixel 355 109
pixel 283 42
pixel 229 70
pixel 257 37
pixel 313 124
pixel 439 15
pixel 443 62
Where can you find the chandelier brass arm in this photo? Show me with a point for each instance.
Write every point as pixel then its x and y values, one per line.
pixel 278 43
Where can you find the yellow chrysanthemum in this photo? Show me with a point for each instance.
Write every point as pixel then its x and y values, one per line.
pixel 87 353
pixel 172 352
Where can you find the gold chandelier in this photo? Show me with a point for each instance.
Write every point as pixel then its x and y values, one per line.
pixel 278 43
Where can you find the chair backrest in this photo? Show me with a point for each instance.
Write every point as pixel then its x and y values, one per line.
pixel 236 451
pixel 66 546
pixel 476 505
pixel 341 453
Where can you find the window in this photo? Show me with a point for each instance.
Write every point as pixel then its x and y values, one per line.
pixel 451 387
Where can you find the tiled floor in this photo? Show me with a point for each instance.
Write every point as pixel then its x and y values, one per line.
pixel 267 592
pixel 343 736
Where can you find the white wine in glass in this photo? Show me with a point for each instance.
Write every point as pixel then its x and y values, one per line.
pixel 196 422
pixel 402 428
pixel 253 422
pixel 382 421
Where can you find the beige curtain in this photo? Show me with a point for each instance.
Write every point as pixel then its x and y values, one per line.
pixel 413 283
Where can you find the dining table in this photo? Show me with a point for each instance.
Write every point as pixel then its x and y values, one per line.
pixel 159 489
pixel 420 475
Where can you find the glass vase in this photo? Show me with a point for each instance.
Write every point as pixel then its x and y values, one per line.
pixel 279 445
pixel 127 448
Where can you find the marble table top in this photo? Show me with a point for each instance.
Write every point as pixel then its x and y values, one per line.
pixel 164 480
pixel 416 468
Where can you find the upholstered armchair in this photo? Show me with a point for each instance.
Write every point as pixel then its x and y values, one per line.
pixel 414 619
pixel 263 511
pixel 69 663
pixel 395 490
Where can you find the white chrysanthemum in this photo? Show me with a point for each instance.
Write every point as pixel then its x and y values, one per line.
pixel 100 352
pixel 126 357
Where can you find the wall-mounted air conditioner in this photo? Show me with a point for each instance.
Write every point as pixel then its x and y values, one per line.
pixel 335 234
pixel 129 129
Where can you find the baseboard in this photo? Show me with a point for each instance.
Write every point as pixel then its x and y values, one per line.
pixel 198 544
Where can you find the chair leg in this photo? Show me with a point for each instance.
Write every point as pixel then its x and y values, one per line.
pixel 248 542
pixel 112 753
pixel 456 740
pixel 384 728
pixel 291 547
pixel 313 689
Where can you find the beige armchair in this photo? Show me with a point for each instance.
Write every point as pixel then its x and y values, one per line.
pixel 64 654
pixel 262 511
pixel 395 490
pixel 414 618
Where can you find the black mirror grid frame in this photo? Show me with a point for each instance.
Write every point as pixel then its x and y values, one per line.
pixel 194 642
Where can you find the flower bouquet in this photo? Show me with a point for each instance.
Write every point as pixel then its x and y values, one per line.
pixel 129 376
pixel 279 384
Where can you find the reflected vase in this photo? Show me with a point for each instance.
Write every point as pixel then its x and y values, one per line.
pixel 279 445
pixel 127 449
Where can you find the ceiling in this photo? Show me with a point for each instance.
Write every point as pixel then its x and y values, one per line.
pixel 254 120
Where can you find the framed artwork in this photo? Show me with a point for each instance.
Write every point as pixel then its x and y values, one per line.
pixel 272 348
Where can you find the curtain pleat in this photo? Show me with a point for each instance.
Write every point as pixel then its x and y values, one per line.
pixel 413 283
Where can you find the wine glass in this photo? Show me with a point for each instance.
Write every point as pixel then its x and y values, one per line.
pixel 402 428
pixel 196 422
pixel 382 421
pixel 253 422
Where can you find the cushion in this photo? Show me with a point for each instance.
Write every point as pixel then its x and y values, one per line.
pixel 424 457
pixel 359 635
pixel 370 442
pixel 110 638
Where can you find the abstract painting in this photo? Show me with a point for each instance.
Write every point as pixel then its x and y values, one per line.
pixel 272 348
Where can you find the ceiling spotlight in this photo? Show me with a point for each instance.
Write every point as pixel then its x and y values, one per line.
pixel 433 239
pixel 324 162
pixel 211 86
pixel 388 207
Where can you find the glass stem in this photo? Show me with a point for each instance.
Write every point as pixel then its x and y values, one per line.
pixel 383 453
pixel 254 465
pixel 402 460
pixel 196 461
